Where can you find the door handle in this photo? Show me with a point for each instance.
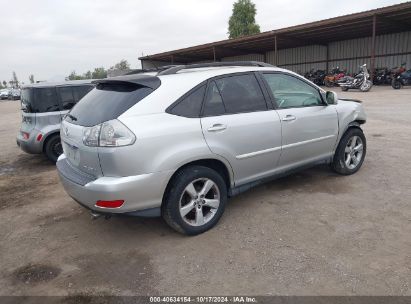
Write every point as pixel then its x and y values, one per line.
pixel 217 127
pixel 289 118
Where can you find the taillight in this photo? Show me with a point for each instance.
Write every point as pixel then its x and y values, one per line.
pixel 39 137
pixel 110 204
pixel 108 134
pixel 25 135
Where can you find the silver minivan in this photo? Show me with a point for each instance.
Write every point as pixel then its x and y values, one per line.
pixel 43 105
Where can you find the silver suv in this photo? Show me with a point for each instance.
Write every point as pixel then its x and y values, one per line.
pixel 43 105
pixel 180 143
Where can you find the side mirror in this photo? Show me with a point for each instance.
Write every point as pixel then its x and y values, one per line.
pixel 331 97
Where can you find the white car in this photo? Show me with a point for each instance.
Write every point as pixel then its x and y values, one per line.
pixel 4 94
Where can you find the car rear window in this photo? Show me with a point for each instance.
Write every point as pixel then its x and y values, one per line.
pixel 40 100
pixel 106 102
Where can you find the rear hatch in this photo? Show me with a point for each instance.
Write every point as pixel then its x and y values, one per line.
pixel 28 120
pixel 107 101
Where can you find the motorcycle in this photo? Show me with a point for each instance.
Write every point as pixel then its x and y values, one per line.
pixel 402 80
pixel 331 80
pixel 316 77
pixel 395 72
pixel 360 81
pixel 382 76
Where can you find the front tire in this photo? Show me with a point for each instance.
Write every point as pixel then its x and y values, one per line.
pixel 396 84
pixel 53 148
pixel 344 89
pixel 365 87
pixel 350 153
pixel 195 200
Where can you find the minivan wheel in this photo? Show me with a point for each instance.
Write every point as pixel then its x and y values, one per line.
pixel 350 153
pixel 53 148
pixel 195 200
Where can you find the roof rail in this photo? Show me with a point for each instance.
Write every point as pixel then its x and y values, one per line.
pixel 177 68
pixel 155 69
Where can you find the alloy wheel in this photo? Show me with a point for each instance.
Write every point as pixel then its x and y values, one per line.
pixel 199 202
pixel 353 152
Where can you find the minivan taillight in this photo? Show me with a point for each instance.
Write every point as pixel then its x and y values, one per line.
pixel 108 134
pixel 25 135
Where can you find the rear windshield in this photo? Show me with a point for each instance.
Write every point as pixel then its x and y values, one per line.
pixel 106 102
pixel 39 100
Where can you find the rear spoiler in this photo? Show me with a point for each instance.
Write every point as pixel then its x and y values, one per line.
pixel 148 81
pixel 349 99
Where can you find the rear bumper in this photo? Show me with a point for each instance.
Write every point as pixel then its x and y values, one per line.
pixel 30 145
pixel 140 192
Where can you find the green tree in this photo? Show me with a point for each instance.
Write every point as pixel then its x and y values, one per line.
pixel 74 76
pixel 242 21
pixel 87 75
pixel 99 73
pixel 15 80
pixel 122 65
pixel 31 78
pixel 4 83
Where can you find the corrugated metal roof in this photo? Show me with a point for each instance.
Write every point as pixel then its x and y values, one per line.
pixel 390 19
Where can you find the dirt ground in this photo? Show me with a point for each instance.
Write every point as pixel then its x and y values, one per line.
pixel 312 233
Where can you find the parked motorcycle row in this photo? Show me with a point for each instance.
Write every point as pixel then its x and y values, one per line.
pixel 396 77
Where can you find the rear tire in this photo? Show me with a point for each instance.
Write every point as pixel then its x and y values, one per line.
pixel 350 153
pixel 344 89
pixel 53 148
pixel 187 204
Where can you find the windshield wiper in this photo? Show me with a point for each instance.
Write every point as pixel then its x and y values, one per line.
pixel 73 118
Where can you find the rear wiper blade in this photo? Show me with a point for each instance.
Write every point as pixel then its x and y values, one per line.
pixel 73 118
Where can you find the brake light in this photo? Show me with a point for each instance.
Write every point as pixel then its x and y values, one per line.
pixel 110 204
pixel 108 134
pixel 25 135
pixel 39 137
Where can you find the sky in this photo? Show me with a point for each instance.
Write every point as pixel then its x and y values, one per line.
pixel 51 38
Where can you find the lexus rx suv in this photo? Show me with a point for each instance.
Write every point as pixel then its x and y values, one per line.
pixel 179 143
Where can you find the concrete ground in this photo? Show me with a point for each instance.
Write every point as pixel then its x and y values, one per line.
pixel 312 233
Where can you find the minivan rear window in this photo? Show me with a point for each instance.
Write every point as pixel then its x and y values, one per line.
pixel 40 100
pixel 106 102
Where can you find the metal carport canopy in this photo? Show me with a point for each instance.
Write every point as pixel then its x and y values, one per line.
pixel 385 20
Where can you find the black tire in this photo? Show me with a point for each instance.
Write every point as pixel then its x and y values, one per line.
pixel 171 203
pixel 339 165
pixel 396 84
pixel 53 148
pixel 328 83
pixel 344 89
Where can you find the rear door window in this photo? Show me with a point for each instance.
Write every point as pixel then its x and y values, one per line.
pixel 213 105
pixel 45 100
pixel 241 93
pixel 108 101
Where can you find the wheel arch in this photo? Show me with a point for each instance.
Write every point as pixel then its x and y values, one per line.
pixel 47 138
pixel 354 124
pixel 219 166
